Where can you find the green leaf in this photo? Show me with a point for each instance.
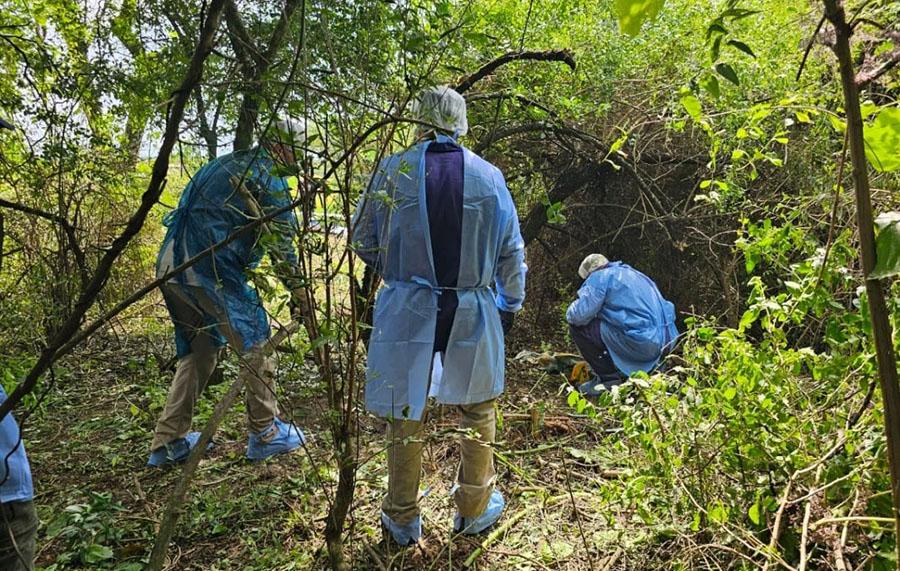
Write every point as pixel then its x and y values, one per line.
pixel 633 13
pixel 803 116
pixel 883 140
pixel 715 28
pixel 95 553
pixel 711 84
pixel 742 46
pixel 726 71
pixel 837 123
pixel 749 317
pixel 618 143
pixel 867 109
pixel 887 246
pixel 754 514
pixel 692 106
pixel 717 512
pixel 715 49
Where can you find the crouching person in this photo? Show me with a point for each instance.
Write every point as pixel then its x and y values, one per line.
pixel 438 223
pixel 620 323
pixel 212 303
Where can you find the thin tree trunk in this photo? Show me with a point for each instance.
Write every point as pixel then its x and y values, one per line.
pixel 255 64
pixel 343 498
pixel 207 131
pixel 175 505
pixel 881 326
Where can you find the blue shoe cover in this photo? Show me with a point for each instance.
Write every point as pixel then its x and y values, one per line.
pixel 404 535
pixel 597 386
pixel 490 515
pixel 175 452
pixel 287 438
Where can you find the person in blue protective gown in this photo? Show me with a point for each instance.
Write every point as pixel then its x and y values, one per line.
pixel 620 322
pixel 18 519
pixel 212 302
pixel 438 223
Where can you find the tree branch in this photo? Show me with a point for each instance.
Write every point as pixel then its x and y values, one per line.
pixel 570 182
pixel 564 56
pixel 67 227
pixel 37 212
pixel 870 73
pixel 277 39
pixel 243 135
pixel 241 42
pixel 526 101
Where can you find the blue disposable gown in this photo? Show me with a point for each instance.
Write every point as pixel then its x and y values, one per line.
pixel 209 211
pixel 637 324
pixel 16 483
pixel 392 234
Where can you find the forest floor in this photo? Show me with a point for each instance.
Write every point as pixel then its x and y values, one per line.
pixel 99 504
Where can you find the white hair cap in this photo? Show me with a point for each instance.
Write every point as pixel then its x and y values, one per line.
pixel 590 264
pixel 288 132
pixel 444 108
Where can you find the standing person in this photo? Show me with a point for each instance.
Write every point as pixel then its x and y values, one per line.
pixel 440 226
pixel 212 301
pixel 18 519
pixel 620 322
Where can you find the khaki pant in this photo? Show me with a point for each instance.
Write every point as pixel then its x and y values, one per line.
pixel 257 369
pixel 475 477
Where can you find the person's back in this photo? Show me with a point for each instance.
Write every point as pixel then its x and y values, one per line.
pixel 404 256
pixel 440 226
pixel 634 313
pixel 211 209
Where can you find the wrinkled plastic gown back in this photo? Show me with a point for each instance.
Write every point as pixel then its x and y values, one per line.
pixel 209 211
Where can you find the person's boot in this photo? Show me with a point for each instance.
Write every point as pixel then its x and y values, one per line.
pixel 279 438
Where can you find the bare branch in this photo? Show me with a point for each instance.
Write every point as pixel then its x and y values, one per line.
pixel 872 72
pixel 564 56
pixel 526 101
